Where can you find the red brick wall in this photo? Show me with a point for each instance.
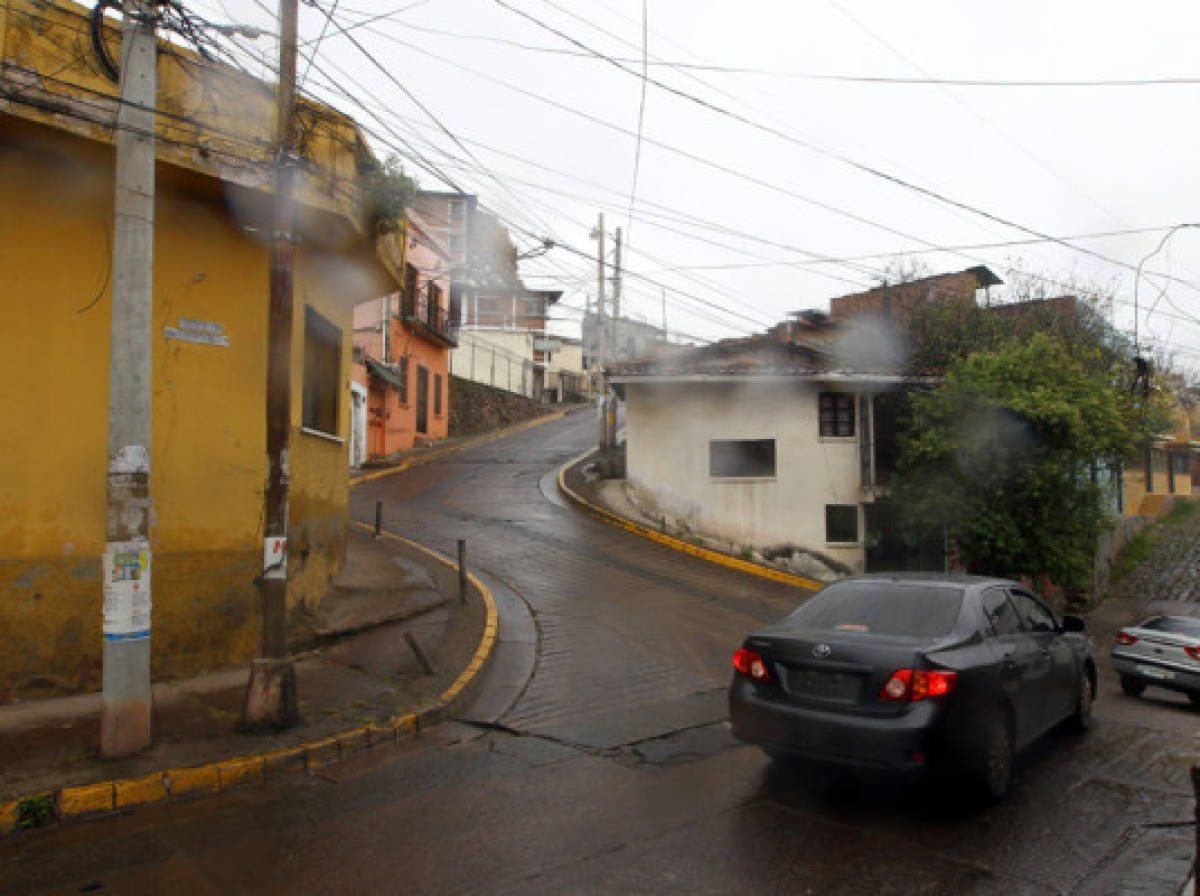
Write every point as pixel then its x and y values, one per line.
pixel 899 301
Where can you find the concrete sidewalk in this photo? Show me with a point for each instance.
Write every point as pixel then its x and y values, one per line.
pixel 359 684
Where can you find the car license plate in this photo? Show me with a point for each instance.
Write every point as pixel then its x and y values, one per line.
pixel 824 685
pixel 1155 672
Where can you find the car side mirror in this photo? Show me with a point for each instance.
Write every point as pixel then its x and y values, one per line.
pixel 1072 624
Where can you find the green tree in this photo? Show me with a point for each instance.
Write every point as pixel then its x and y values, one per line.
pixel 386 189
pixel 998 456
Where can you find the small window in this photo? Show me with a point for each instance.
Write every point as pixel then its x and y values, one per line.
pixel 458 244
pixel 402 372
pixel 458 208
pixel 322 372
pixel 1000 612
pixel 437 394
pixel 841 523
pixel 837 414
pixel 741 458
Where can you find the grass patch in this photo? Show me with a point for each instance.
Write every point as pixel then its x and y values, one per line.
pixel 1181 511
pixel 35 812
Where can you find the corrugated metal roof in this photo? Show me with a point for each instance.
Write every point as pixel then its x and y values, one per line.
pixel 384 373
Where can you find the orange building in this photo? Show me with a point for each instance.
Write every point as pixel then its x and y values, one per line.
pixel 402 348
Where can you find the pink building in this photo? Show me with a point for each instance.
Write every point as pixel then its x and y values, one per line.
pixel 402 347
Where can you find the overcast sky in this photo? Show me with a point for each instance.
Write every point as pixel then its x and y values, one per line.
pixel 768 179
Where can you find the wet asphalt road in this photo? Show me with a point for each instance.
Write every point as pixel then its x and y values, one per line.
pixel 596 758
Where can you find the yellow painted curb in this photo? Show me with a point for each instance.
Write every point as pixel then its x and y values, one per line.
pixel 105 796
pixel 9 813
pixel 406 727
pixel 244 769
pixel 140 791
pixel 285 760
pixel 678 544
pixel 202 779
pixel 452 449
pixel 323 752
pixel 85 799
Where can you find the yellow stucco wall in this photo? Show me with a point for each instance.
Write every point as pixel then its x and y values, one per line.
pixel 208 441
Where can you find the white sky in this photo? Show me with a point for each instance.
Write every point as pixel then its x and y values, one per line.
pixel 731 207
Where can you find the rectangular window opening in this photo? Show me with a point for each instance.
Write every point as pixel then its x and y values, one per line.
pixel 402 372
pixel 322 372
pixel 841 523
pixel 837 414
pixel 741 458
pixel 437 394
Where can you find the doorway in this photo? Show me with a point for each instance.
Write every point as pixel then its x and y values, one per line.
pixel 422 400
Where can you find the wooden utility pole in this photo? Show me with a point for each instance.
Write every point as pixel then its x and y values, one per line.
pixel 271 700
pixel 125 719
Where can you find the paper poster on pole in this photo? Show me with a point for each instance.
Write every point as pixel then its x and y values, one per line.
pixel 275 558
pixel 127 601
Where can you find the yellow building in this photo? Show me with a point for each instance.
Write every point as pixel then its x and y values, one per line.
pixel 1163 471
pixel 208 454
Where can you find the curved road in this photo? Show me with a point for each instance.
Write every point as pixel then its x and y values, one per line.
pixel 595 758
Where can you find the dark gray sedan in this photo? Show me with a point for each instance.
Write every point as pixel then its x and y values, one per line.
pixel 1163 651
pixel 911 672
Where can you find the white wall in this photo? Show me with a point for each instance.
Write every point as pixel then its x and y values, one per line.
pixel 668 428
pixel 500 358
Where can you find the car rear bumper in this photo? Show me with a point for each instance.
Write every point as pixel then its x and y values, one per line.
pixel 1151 672
pixel 902 742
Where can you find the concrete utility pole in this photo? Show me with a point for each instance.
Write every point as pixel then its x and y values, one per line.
pixel 610 416
pixel 125 721
pixel 271 700
pixel 601 331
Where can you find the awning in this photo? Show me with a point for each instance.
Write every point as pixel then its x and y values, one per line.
pixel 384 373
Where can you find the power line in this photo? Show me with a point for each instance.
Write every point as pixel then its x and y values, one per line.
pixel 637 150
pixel 932 247
pixel 871 170
pixel 713 68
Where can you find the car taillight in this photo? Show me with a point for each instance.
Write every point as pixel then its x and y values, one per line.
pixel 918 684
pixel 1193 652
pixel 751 665
pixel 1126 638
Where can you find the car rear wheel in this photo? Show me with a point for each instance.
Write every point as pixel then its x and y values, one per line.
pixel 1081 720
pixel 1132 686
pixel 994 760
pixel 1194 696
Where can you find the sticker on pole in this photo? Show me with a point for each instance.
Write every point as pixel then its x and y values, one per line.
pixel 275 558
pixel 127 602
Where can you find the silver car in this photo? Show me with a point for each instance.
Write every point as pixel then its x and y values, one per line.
pixel 1163 651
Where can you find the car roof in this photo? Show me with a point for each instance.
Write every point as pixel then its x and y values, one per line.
pixel 932 579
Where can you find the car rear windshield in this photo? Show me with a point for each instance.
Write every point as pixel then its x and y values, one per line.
pixel 1176 625
pixel 882 608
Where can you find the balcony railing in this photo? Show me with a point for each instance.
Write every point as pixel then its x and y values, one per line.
pixel 430 316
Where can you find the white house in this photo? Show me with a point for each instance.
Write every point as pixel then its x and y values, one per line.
pixel 758 443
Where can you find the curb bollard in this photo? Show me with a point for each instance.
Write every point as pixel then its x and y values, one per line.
pixel 462 571
pixel 378 517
